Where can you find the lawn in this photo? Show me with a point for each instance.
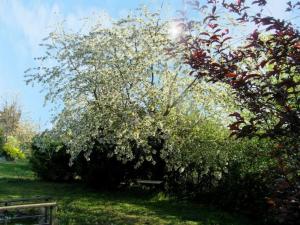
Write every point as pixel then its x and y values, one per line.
pixel 83 206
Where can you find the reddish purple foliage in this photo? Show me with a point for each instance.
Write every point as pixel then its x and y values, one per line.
pixel 264 72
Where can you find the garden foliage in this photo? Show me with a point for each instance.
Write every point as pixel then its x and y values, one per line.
pixel 262 68
pixel 10 149
pixel 49 159
pixel 16 133
pixel 139 104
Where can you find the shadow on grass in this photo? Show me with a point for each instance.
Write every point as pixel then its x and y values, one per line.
pixel 81 205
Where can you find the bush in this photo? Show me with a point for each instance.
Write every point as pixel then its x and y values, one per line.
pixel 11 151
pixel 262 177
pixel 1 139
pixel 100 171
pixel 49 159
pixel 104 170
pixel 202 161
pixel 230 173
pixel 235 174
pixel 261 194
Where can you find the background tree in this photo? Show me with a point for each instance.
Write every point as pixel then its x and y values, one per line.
pixel 2 139
pixel 25 132
pixel 10 116
pixel 13 124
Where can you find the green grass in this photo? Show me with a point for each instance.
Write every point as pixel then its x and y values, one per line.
pixel 80 205
pixel 12 170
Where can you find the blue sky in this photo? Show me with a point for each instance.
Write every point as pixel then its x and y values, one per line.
pixel 23 23
pixel 22 26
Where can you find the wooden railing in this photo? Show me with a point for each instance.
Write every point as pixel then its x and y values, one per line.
pixel 10 210
pixel 153 182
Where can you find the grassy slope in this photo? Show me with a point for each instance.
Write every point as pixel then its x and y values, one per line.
pixel 79 205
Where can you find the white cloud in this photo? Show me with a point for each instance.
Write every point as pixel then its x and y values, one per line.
pixel 23 25
pixel 34 22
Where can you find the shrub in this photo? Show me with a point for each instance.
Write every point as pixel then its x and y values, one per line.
pixel 49 159
pixel 230 173
pixel 1 140
pixel 257 185
pixel 11 151
pixel 100 171
pixel 103 169
pixel 202 160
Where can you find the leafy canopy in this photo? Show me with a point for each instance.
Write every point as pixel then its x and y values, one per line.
pixel 119 86
pixel 262 67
